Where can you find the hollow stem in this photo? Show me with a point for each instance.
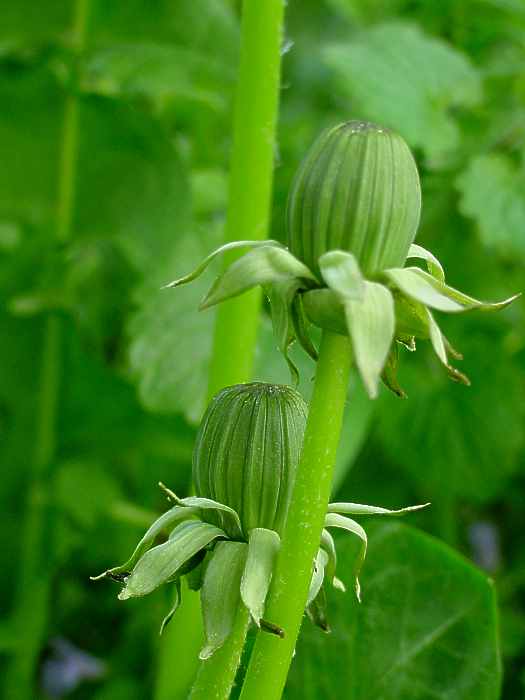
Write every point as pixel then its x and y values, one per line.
pixel 36 563
pixel 271 657
pixel 235 334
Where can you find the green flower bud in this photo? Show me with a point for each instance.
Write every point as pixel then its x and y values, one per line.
pixel 358 191
pixel 247 450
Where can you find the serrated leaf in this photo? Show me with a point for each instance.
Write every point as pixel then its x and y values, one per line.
pixel 220 594
pixel 263 547
pixel 427 628
pixel 407 80
pixel 491 191
pixel 472 440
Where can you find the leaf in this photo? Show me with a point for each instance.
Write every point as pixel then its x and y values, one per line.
pixel 360 509
pixel 340 521
pixel 426 289
pixel 231 523
pixel 264 265
pixel 409 81
pixel 491 189
pixel 434 266
pixel 263 547
pixel 160 564
pixel 320 562
pixel 175 606
pixel 340 271
pixel 472 439
pixel 220 594
pixel 427 628
pixel 371 329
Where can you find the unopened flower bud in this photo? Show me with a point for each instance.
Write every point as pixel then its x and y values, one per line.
pixel 247 451
pixel 357 190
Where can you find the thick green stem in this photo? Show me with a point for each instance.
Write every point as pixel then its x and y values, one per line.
pixel 216 675
pixel 235 337
pixel 251 178
pixel 36 565
pixel 271 656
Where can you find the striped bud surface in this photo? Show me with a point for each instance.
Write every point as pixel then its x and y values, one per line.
pixel 247 450
pixel 357 190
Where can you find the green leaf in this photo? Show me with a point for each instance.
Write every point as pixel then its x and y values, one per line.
pixel 420 286
pixel 371 328
pixel 281 296
pixel 220 594
pixel 227 247
pixel 264 265
pixel 472 440
pixel 491 191
pixel 410 81
pixel 231 523
pixel 340 271
pixel 340 521
pixel 165 522
pixel 263 547
pixel 328 545
pixel 434 266
pixel 427 628
pixel 175 606
pixel 360 509
pixel 319 565
pixel 160 564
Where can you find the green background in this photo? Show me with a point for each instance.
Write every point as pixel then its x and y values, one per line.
pixel 153 85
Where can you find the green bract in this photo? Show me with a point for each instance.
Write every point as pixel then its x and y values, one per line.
pixel 227 537
pixel 353 213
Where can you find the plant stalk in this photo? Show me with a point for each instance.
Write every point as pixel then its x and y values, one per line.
pixel 251 180
pixel 271 656
pixel 236 326
pixel 36 565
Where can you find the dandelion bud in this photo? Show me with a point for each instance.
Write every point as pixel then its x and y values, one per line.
pixel 358 191
pixel 247 451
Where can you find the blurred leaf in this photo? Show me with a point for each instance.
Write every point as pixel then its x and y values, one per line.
pixel 492 194
pixel 85 492
pixel 454 440
pixel 404 79
pixel 426 628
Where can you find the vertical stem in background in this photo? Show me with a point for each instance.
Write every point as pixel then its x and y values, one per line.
pixel 251 178
pixel 235 337
pixel 36 562
pixel 271 657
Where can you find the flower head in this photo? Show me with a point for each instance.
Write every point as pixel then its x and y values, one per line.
pixel 225 540
pixel 353 212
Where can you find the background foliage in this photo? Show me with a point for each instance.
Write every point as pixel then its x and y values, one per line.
pixel 153 84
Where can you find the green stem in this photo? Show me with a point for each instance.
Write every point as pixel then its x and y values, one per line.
pixel 251 179
pixel 36 566
pixel 235 336
pixel 216 675
pixel 271 657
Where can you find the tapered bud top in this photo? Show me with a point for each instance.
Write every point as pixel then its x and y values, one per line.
pixel 357 190
pixel 247 450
